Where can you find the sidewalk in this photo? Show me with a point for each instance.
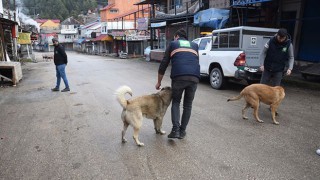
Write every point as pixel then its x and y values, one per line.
pixel 296 79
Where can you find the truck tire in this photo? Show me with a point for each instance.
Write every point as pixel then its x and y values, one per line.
pixel 217 80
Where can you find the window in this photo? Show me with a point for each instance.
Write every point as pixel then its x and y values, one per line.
pixel 177 3
pixel 204 43
pixel 113 10
pixel 223 40
pixel 234 39
pixel 229 39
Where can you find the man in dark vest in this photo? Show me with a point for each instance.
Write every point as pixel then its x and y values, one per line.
pixel 185 75
pixel 276 58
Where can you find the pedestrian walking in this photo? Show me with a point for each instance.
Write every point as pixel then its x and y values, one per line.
pixel 276 59
pixel 60 59
pixel 185 75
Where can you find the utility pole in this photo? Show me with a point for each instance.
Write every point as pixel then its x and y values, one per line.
pixel 14 11
pixel 8 9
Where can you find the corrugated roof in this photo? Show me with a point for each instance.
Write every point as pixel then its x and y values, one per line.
pixel 107 7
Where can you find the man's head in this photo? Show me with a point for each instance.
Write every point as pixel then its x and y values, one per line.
pixel 282 35
pixel 55 41
pixel 181 33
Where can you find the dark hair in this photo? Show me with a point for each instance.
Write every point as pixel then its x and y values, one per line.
pixel 282 32
pixel 181 33
pixel 54 40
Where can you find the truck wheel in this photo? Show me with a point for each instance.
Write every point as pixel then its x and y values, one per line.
pixel 217 80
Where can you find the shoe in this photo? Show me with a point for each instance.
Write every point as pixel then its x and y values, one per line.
pixel 318 152
pixel 182 134
pixel 65 90
pixel 174 134
pixel 55 89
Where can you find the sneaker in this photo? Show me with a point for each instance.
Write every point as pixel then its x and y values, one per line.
pixel 318 152
pixel 182 134
pixel 174 134
pixel 65 90
pixel 55 89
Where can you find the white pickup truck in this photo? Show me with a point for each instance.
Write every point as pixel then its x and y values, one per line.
pixel 232 53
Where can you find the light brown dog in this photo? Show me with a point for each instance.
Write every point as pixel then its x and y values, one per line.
pixel 255 93
pixel 152 106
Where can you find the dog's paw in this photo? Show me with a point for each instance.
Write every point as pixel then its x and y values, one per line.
pixel 124 140
pixel 260 121
pixel 140 144
pixel 246 118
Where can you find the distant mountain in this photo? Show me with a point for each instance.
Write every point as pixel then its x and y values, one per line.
pixel 59 9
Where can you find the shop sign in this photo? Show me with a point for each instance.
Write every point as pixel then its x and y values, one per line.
pixel 142 24
pixel 160 24
pixel 24 38
pixel 117 33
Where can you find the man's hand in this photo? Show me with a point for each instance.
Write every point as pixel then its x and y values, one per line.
pixel 158 86
pixel 288 72
pixel 261 68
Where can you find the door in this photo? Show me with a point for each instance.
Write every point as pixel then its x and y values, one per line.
pixel 204 50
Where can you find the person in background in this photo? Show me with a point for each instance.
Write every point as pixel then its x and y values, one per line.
pixel 60 59
pixel 276 59
pixel 185 75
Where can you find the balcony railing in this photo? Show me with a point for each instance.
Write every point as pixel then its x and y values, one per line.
pixel 186 8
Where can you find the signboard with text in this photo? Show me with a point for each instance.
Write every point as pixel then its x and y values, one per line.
pixel 24 38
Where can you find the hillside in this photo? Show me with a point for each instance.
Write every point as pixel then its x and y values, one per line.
pixel 59 9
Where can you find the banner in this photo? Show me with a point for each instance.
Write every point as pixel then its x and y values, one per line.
pixel 24 38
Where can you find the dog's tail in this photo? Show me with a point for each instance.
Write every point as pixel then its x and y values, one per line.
pixel 235 98
pixel 120 93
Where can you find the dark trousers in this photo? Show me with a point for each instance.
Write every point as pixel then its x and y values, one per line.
pixel 271 78
pixel 178 87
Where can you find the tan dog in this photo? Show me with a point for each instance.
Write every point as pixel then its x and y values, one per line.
pixel 255 93
pixel 152 106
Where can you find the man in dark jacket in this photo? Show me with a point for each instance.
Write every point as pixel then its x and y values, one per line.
pixel 276 58
pixel 60 60
pixel 185 75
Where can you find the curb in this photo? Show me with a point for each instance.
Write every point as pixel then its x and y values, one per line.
pixel 299 82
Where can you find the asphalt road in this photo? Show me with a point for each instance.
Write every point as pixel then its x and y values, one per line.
pixel 77 134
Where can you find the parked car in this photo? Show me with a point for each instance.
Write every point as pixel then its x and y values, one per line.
pixel 232 53
pixel 147 53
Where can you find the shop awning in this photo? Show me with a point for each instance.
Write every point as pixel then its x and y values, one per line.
pixel 103 37
pixel 79 41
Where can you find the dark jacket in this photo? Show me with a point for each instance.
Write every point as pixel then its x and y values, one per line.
pixel 277 55
pixel 184 59
pixel 60 56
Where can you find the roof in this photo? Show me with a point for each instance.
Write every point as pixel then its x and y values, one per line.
pixel 95 26
pixel 79 41
pixel 45 20
pixel 129 12
pixel 107 7
pixel 89 25
pixel 148 2
pixel 103 37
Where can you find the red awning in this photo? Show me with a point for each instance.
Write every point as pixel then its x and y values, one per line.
pixel 103 37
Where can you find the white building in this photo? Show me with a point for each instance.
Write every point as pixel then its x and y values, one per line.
pixel 69 33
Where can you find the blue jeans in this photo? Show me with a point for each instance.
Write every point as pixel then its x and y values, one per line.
pixel 271 78
pixel 61 73
pixel 178 87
